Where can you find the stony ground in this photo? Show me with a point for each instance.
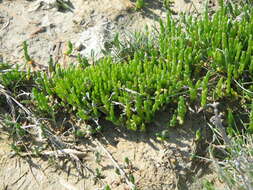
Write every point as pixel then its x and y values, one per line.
pixel 89 24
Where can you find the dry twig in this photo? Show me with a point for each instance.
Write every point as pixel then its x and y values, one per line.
pixel 57 153
pixel 6 25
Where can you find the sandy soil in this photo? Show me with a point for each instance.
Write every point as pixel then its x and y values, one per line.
pixel 155 165
pixel 88 25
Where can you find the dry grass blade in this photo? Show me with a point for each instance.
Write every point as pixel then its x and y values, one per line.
pixel 58 153
pixel 216 120
pixel 8 98
pixel 246 90
pixel 10 101
pixel 6 25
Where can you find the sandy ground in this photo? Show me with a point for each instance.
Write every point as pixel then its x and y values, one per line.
pixel 88 25
pixel 155 165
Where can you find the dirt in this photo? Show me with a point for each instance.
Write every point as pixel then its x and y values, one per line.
pixel 155 165
pixel 88 24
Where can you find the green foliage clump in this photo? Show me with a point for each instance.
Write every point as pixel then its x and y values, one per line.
pixel 123 92
pixel 188 62
pixel 13 78
pixel 193 59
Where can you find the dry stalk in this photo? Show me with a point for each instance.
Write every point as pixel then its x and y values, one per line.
pixel 62 147
pixel 6 25
pixel 237 161
pixel 216 120
pixel 10 101
pixel 57 153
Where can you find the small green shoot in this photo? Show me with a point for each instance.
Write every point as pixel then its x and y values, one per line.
pixel 231 123
pixel 117 171
pixel 70 49
pixel 167 4
pixel 83 61
pixel 173 122
pixel 132 179
pixel 198 136
pixel 80 133
pixel 26 54
pixel 16 149
pixel 162 136
pixel 181 110
pixel 98 157
pixel 51 65
pixel 139 4
pixel 107 187
pixel 208 185
pixel 99 174
pixel 64 5
pixel 127 161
